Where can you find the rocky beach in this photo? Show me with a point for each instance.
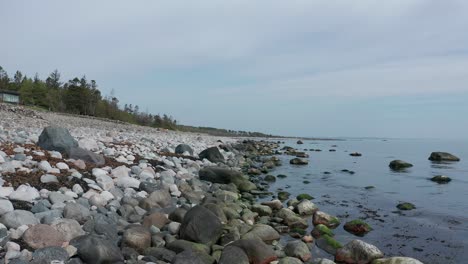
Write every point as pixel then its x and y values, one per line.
pixel 84 190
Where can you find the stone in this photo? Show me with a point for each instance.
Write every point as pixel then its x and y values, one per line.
pixel 95 250
pixel 193 257
pixel 105 182
pixel 157 219
pixel 88 144
pixel 56 138
pixel 212 154
pixel 201 225
pixel 358 252
pixel 25 193
pixel 58 197
pixel 128 182
pixel 161 253
pixel 328 243
pixel 322 261
pixel 49 255
pixel 77 212
pixel 262 210
pixel 86 155
pixel 264 232
pixel 47 178
pixel 257 252
pixel 397 260
pixel 5 207
pixel 18 218
pixel 306 207
pixel 137 237
pixel 298 249
pixel 40 236
pixel 157 199
pixel 289 260
pixel 399 165
pixel 298 161
pixel 325 219
pixel 443 156
pixel 69 228
pixel 182 148
pixel 357 227
pixel 62 166
pixel 441 179
pixel 224 176
pixel 406 206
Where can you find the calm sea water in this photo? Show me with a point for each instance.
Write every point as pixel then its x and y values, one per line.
pixel 436 232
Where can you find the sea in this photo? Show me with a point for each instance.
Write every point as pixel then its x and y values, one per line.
pixel 435 232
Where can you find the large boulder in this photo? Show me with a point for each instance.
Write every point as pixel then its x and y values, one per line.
pixel 95 250
pixel 18 218
pixel 182 148
pixel 399 165
pixel 86 155
pixel 226 176
pixel 298 249
pixel 443 156
pixel 212 154
pixel 264 232
pixel 257 252
pixel 40 236
pixel 201 225
pixel 358 252
pixel 56 138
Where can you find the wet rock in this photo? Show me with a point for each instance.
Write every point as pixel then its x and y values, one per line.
pixel 212 154
pixel 137 237
pixel 441 179
pixel 304 196
pixel 298 249
pixel 18 218
pixel 355 154
pixel 95 250
pixel 40 236
pixel 399 165
pixel 328 243
pixel 443 156
pixel 397 260
pixel 264 232
pixel 298 161
pixel 261 210
pixel 358 251
pixel 283 195
pixel 290 260
pixel 357 227
pixel 299 142
pixel 56 138
pixel 406 206
pixel 325 219
pixel 201 225
pixel 270 178
pixel 275 204
pixel 306 207
pixel 49 255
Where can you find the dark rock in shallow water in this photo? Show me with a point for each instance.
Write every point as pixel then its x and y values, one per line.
pixel 182 148
pixel 443 156
pixel 201 225
pixel 86 155
pixel 298 161
pixel 299 142
pixel 399 165
pixel 226 176
pixel 212 154
pixel 441 179
pixel 357 227
pixel 94 250
pixel 355 154
pixel 406 206
pixel 56 138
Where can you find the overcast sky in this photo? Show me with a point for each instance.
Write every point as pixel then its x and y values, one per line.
pixel 306 68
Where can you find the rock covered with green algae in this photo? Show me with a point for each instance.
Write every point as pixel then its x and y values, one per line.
pixel 357 227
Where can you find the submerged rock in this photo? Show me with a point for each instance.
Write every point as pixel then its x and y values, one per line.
pixel 441 179
pixel 406 206
pixel 298 161
pixel 443 156
pixel 399 165
pixel 357 227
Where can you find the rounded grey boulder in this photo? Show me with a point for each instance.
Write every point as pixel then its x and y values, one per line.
pixel 201 225
pixel 182 148
pixel 212 154
pixel 56 138
pixel 18 218
pixel 443 156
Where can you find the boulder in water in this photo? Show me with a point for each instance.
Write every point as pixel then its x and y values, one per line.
pixel 443 156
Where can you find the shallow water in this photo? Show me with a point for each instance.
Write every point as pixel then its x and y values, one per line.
pixel 435 232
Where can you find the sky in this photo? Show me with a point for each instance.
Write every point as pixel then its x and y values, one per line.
pixel 366 68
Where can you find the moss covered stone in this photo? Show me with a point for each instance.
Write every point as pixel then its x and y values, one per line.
pixel 357 227
pixel 320 230
pixel 304 196
pixel 283 196
pixel 406 206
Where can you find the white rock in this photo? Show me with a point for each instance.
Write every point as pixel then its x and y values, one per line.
pixel 77 189
pixel 89 144
pixel 5 206
pixel 89 194
pixel 71 194
pixel 55 154
pixel 2 159
pixel 99 172
pixel 121 171
pixel 147 173
pixel 105 182
pixel 6 191
pixel 121 159
pixel 48 178
pixel 130 158
pixel 44 165
pixel 128 182
pixel 25 193
pixel 44 193
pixel 107 195
pixel 109 152
pixel 97 200
pixel 62 166
pixel 173 227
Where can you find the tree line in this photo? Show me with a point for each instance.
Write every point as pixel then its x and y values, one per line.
pixel 77 96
